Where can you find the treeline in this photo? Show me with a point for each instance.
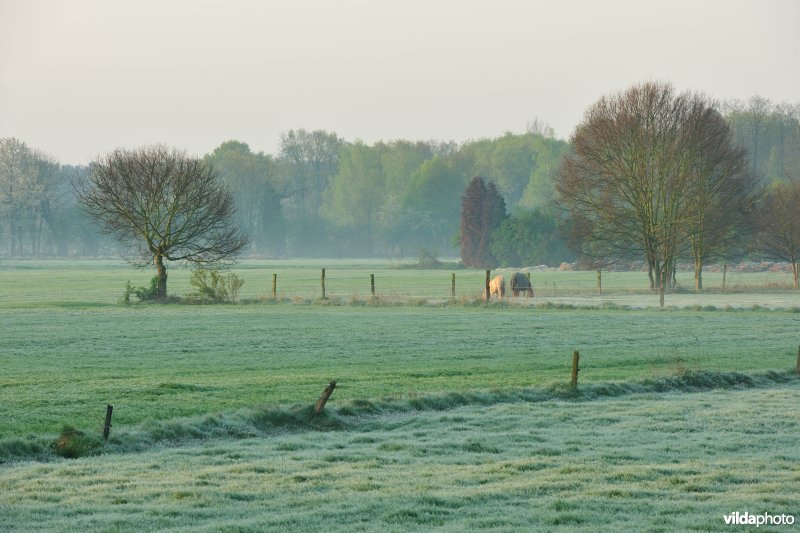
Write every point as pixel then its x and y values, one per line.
pixel 324 196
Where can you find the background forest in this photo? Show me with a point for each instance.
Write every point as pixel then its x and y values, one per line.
pixel 325 196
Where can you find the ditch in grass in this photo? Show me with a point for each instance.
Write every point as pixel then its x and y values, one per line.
pixel 352 415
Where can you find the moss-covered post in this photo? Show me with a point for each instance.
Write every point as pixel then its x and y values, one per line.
pixel 486 293
pixel 322 282
pixel 576 357
pixel 599 282
pixel 798 359
pixel 372 284
pixel 453 287
pixel 274 287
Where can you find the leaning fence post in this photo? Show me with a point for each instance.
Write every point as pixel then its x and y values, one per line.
pixel 372 284
pixel 576 356
pixel 486 294
pixel 274 287
pixel 322 281
pixel 324 398
pixel 107 426
pixel 453 287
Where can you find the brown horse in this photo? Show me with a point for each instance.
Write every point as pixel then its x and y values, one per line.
pixel 497 286
pixel 521 284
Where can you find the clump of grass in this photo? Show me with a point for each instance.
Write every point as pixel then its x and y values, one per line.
pixel 72 443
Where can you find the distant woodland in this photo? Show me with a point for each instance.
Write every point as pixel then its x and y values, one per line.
pixel 325 196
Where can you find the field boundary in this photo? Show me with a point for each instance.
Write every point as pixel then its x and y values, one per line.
pixel 274 420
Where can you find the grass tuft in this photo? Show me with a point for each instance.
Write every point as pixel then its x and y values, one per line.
pixel 72 444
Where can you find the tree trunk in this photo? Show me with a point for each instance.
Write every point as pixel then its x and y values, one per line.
pixel 795 271
pixel 663 286
pixel 698 275
pixel 161 272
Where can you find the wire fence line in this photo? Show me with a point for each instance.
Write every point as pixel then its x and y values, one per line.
pixel 104 283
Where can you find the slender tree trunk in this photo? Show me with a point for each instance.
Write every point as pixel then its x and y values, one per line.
pixel 161 272
pixel 795 269
pixel 663 285
pixel 724 274
pixel 698 274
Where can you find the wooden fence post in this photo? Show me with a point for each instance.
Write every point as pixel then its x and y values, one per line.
pixel 107 426
pixel 599 282
pixel 322 281
pixel 274 287
pixel 453 287
pixel 486 294
pixel 324 398
pixel 798 359
pixel 576 356
pixel 372 284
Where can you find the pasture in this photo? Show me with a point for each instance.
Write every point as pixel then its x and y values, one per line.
pixel 450 415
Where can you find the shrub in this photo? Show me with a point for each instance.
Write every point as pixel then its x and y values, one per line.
pixel 214 286
pixel 144 294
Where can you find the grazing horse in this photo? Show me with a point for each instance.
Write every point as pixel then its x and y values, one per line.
pixel 521 284
pixel 497 286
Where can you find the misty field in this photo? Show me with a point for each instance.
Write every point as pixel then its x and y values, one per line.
pixel 446 415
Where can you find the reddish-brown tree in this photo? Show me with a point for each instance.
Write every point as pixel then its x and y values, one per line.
pixel 483 210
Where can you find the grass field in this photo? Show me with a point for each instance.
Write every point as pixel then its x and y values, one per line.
pixel 451 416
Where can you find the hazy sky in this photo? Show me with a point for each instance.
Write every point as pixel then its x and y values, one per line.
pixel 81 77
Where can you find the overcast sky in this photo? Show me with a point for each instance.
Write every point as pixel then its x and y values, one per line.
pixel 81 77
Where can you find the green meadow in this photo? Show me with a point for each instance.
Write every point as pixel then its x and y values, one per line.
pixel 447 414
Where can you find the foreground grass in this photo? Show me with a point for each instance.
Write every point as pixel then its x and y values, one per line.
pixel 656 462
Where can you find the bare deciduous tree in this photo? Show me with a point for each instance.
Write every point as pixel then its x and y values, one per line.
pixel 780 225
pixel 724 191
pixel 167 206
pixel 641 162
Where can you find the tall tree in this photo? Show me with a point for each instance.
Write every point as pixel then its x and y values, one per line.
pixel 31 190
pixel 355 194
pixel 780 225
pixel 433 195
pixel 722 188
pixel 482 212
pixel 253 179
pixel 165 205
pixel 639 159
pixel 310 159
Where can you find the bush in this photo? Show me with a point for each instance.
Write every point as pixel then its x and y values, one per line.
pixel 144 294
pixel 214 286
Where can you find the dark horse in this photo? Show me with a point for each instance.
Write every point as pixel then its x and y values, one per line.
pixel 521 283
